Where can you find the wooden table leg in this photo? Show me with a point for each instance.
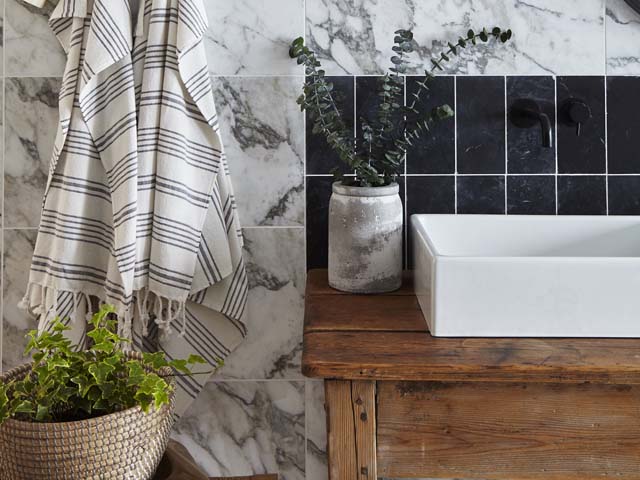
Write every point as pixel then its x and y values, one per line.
pixel 351 429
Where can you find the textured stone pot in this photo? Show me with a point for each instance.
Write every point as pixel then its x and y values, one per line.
pixel 365 239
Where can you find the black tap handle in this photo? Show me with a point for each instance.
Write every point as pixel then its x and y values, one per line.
pixel 579 113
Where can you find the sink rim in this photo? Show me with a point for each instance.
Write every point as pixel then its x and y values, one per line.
pixel 419 227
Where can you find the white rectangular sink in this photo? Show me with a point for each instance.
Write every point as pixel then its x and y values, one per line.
pixel 528 276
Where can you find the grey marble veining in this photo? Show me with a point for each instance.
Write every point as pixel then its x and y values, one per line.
pixel 245 428
pixel 275 310
pixel 30 45
pixel 252 37
pixel 316 431
pixel 623 39
pixel 263 133
pixel 562 37
pixel 18 248
pixel 31 117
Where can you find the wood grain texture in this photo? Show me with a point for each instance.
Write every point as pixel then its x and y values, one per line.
pixel 318 284
pixel 508 431
pixel 358 312
pixel 363 394
pixel 419 356
pixel 341 439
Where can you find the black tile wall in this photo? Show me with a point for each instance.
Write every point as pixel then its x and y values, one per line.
pixel 524 145
pixel 624 195
pixel 428 194
pixel 481 122
pixel 320 157
pixel 582 195
pixel 318 194
pixel 570 179
pixel 531 194
pixel 584 153
pixel 623 117
pixel 481 194
pixel 432 194
pixel 435 152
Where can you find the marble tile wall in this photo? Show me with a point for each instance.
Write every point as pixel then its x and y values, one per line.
pixel 259 414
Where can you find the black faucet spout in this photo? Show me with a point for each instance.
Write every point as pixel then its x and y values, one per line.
pixel 547 130
pixel 526 113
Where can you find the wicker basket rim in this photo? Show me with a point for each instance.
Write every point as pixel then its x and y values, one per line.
pixel 110 417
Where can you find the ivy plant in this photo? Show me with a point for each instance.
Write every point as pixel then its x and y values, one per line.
pixel 68 384
pixel 377 155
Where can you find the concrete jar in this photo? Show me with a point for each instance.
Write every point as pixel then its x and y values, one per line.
pixel 365 238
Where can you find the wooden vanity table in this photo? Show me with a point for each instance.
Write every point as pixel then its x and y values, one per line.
pixel 403 404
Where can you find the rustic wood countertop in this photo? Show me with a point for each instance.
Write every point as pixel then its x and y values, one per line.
pixel 385 337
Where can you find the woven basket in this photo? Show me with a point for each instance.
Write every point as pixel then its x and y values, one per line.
pixel 124 445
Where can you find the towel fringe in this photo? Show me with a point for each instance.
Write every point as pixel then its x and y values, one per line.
pixel 42 301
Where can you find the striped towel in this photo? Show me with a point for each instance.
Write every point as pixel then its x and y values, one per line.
pixel 138 210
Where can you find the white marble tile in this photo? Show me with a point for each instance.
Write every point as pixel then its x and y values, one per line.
pixel 252 37
pixel 276 267
pixel 245 428
pixel 316 432
pixel 31 118
pixel 31 49
pixel 550 36
pixel 263 134
pixel 623 39
pixel 18 248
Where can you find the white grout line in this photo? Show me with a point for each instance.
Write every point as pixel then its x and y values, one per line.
pixel 555 103
pixel 494 175
pixel 355 109
pixel 305 246
pixel 342 74
pixel 301 75
pixel 406 188
pixel 506 146
pixel 455 145
pixel 606 106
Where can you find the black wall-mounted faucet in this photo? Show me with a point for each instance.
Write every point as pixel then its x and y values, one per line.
pixel 526 113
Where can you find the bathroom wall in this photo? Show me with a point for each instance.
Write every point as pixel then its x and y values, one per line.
pixel 259 414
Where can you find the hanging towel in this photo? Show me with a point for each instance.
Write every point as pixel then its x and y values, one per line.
pixel 138 210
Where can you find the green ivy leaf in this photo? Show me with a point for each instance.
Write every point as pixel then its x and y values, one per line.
pixel 101 371
pixel 42 414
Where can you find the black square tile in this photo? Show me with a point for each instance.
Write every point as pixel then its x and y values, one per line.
pixel 321 158
pixel 531 195
pixel 433 152
pixel 525 151
pixel 481 125
pixel 318 195
pixel 481 194
pixel 624 195
pixel 584 153
pixel 623 115
pixel 582 195
pixel 431 195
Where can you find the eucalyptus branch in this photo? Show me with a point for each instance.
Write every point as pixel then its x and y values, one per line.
pixel 413 130
pixel 317 98
pixel 378 159
pixel 453 49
